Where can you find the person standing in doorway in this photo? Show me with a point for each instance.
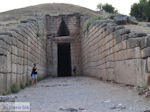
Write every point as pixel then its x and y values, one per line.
pixel 34 75
pixel 75 70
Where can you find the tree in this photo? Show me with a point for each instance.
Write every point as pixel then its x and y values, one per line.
pixel 136 11
pixel 99 6
pixel 147 11
pixel 141 10
pixel 107 7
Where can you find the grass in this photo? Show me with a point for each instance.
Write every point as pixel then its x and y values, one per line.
pixel 93 20
pixel 15 89
pixel 22 85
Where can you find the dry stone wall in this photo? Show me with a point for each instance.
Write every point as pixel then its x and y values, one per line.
pixel 19 49
pixel 111 52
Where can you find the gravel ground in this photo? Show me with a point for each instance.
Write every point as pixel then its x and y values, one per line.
pixel 82 94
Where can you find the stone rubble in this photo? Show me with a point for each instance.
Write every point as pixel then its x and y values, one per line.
pixel 7 98
pixel 123 20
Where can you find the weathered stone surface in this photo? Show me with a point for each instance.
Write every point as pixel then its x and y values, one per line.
pixel 133 42
pixel 110 28
pixel 3 67
pixel 145 42
pixel 118 35
pixel 136 34
pixel 6 38
pixel 130 72
pixel 6 33
pixel 124 31
pixel 121 19
pixel 141 34
pixel 148 64
pixel 123 49
pixel 119 27
pixel 146 52
pixel 27 20
pixel 132 20
pixel 7 98
pixel 124 37
pixel 3 52
pixel 112 16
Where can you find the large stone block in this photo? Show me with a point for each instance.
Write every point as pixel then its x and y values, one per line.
pixel 9 68
pixel 145 52
pixel 14 68
pixel 110 74
pixel 148 64
pixel 145 42
pixel 14 79
pixel 110 28
pixel 133 42
pixel 3 52
pixel 14 50
pixel 137 52
pixel 3 45
pixel 130 54
pixel 1 82
pixel 121 19
pixel 130 72
pixel 6 38
pixel 3 65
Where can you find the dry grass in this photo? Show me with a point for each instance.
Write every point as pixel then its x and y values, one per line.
pixel 141 27
pixel 49 8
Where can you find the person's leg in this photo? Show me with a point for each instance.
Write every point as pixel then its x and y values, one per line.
pixel 36 80
pixel 32 79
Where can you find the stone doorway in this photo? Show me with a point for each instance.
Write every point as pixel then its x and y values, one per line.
pixel 64 60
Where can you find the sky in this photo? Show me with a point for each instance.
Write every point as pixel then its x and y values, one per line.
pixel 123 6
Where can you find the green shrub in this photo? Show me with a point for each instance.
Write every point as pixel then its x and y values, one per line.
pixel 22 86
pixel 9 92
pixel 93 20
pixel 4 93
pixel 14 88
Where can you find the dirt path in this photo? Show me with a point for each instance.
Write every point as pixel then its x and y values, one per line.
pixel 81 94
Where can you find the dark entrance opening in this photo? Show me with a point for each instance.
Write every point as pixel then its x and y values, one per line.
pixel 63 29
pixel 64 60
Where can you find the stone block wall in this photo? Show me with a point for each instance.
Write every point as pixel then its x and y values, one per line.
pixel 71 20
pixel 19 49
pixel 113 53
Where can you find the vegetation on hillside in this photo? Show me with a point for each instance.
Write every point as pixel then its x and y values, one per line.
pixel 107 7
pixel 141 10
pixel 53 9
pixel 90 21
